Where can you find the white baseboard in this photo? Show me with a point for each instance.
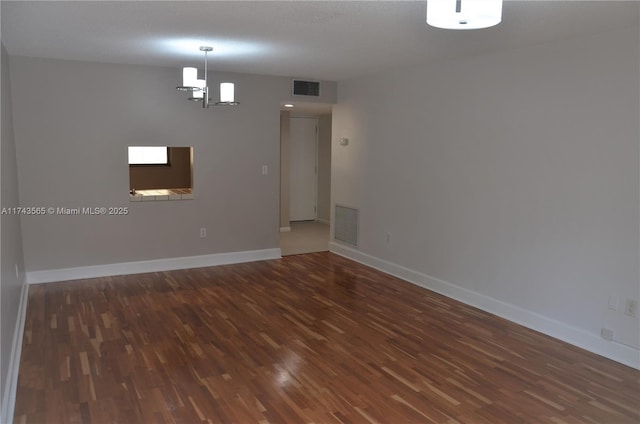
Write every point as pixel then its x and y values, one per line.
pixel 593 343
pixel 11 383
pixel 156 265
pixel 285 229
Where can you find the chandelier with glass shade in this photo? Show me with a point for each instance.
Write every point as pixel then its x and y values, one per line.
pixel 200 89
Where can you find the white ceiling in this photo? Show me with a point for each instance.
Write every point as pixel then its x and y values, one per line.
pixel 328 40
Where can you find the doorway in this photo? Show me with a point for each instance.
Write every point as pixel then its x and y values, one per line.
pixel 305 181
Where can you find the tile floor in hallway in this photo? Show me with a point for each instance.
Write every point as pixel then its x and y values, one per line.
pixel 305 237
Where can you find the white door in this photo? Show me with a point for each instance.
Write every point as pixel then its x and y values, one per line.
pixel 302 169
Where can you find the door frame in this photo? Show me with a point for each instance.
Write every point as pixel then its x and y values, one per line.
pixel 285 117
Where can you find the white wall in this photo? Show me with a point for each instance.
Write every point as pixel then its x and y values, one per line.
pixel 324 168
pixel 511 178
pixel 285 142
pixel 12 265
pixel 73 122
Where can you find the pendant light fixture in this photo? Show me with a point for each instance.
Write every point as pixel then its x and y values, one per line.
pixel 464 14
pixel 200 89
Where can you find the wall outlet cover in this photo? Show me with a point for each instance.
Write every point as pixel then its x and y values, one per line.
pixel 631 308
pixel 607 333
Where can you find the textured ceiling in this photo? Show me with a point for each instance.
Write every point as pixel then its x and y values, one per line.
pixel 310 39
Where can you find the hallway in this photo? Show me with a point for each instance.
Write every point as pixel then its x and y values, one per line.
pixel 305 237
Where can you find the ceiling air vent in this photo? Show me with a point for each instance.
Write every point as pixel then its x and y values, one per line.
pixel 306 88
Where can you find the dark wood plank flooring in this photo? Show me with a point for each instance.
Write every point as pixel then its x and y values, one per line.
pixel 307 339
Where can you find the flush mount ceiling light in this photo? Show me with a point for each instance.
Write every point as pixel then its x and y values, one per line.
pixel 464 14
pixel 200 89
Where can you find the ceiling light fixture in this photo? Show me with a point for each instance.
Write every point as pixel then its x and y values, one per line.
pixel 288 105
pixel 464 14
pixel 200 89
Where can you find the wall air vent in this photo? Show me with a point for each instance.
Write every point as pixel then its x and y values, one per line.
pixel 306 88
pixel 346 227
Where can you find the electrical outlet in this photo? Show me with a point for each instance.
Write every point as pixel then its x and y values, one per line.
pixel 631 308
pixel 607 333
pixel 388 238
pixel 203 232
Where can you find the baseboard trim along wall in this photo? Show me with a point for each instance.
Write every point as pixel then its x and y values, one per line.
pixel 285 229
pixel 609 349
pixel 156 265
pixel 11 384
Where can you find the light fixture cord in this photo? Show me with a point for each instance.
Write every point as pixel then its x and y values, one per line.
pixel 205 68
pixel 205 94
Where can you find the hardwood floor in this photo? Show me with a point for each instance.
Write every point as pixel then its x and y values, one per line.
pixel 309 338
